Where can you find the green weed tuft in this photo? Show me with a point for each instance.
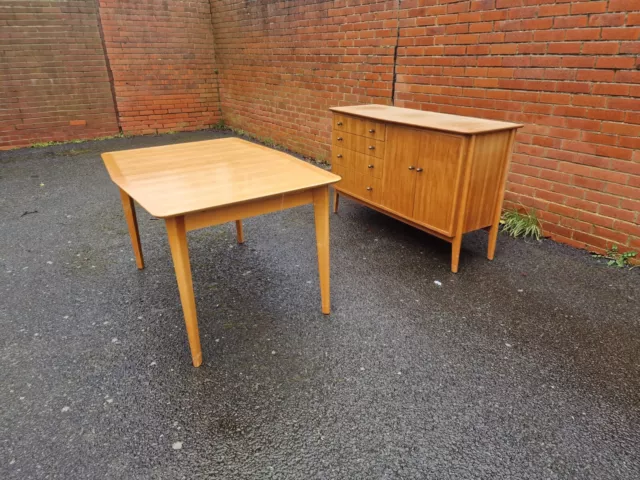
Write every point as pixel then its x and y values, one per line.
pixel 518 224
pixel 615 258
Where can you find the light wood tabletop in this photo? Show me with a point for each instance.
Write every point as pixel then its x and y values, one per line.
pixel 183 178
pixel 200 184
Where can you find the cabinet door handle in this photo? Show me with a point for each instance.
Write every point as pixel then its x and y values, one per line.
pixel 339 139
pixel 369 166
pixel 339 124
pixel 339 155
pixel 369 189
pixel 371 147
pixel 411 167
pixel 372 130
pixel 418 169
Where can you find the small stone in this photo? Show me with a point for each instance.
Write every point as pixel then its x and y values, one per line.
pixel 438 283
pixel 273 352
pixel 66 409
pixel 109 400
pixel 508 345
pixel 153 364
pixel 177 446
pixel 114 340
pixel 49 262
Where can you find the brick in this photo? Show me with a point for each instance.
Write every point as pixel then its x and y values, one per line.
pixel 607 20
pixel 615 62
pixel 623 191
pixel 625 33
pixel 600 48
pixel 612 236
pixel 623 5
pixel 588 7
pixel 587 241
pixel 590 183
pixel 573 21
pixel 554 10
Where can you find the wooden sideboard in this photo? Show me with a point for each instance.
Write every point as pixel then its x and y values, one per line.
pixel 443 174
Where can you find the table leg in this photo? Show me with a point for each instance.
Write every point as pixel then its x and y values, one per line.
pixel 239 232
pixel 180 253
pixel 321 212
pixel 336 200
pixel 132 222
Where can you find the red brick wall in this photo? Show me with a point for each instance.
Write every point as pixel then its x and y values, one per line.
pixel 53 80
pixel 162 58
pixel 283 64
pixel 569 70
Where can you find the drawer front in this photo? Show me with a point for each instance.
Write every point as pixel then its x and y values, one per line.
pixel 366 165
pixel 361 186
pixel 358 144
pixel 358 126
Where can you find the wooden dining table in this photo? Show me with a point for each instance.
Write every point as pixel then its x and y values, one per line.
pixel 200 184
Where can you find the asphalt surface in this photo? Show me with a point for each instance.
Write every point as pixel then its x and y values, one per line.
pixel 526 367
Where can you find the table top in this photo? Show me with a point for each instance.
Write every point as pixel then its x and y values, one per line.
pixel 188 177
pixel 424 119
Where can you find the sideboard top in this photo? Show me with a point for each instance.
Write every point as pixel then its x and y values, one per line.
pixel 433 120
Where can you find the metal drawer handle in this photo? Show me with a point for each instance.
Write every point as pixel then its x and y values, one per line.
pixel 372 130
pixel 339 124
pixel 369 166
pixel 339 139
pixel 339 155
pixel 411 167
pixel 418 169
pixel 371 147
pixel 369 189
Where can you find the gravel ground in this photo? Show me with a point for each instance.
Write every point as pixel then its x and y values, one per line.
pixel 526 367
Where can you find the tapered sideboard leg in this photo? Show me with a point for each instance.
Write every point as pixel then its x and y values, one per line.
pixel 455 252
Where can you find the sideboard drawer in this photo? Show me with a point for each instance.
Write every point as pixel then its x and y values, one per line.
pixel 361 186
pixel 368 146
pixel 358 126
pixel 358 162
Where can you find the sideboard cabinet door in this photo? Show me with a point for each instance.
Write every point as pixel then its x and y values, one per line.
pixel 402 152
pixel 438 180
